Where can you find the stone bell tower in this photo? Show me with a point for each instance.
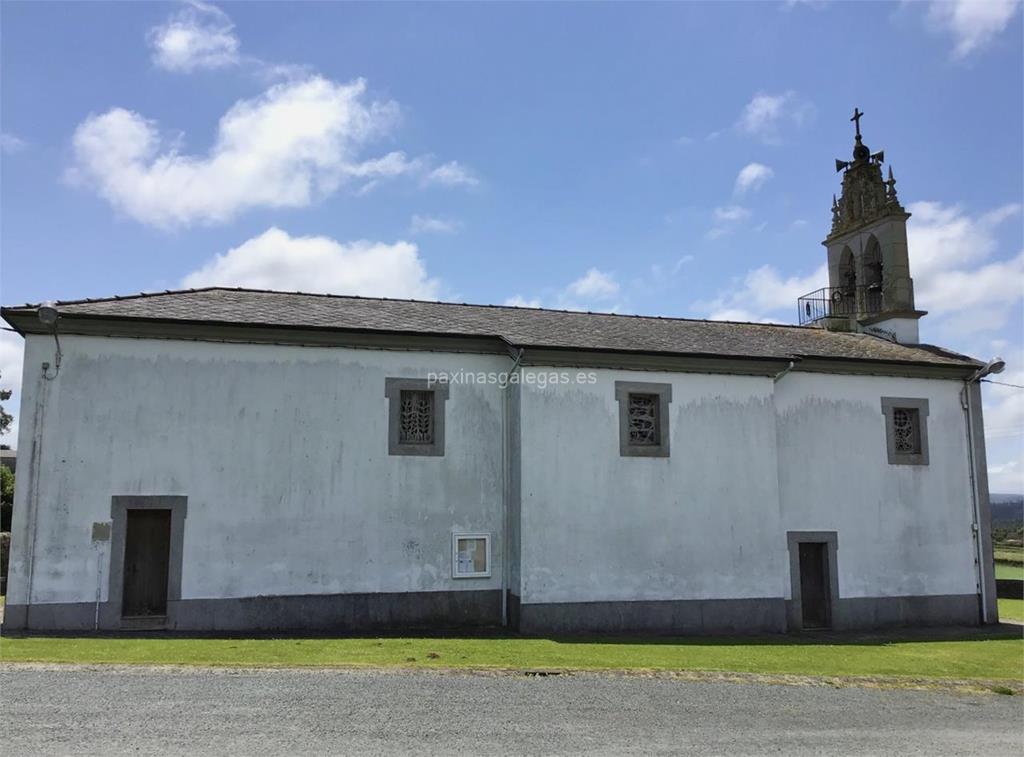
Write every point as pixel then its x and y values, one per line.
pixel 870 288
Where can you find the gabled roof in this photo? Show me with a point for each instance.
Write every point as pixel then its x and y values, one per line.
pixel 517 326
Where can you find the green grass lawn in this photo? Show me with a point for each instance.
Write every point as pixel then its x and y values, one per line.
pixel 1005 553
pixel 993 656
pixel 1010 570
pixel 1011 609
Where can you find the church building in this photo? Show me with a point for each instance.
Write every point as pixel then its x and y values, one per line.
pixel 232 460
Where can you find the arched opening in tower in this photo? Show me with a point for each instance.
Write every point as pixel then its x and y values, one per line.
pixel 873 276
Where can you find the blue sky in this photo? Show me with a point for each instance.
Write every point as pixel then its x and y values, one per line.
pixel 672 159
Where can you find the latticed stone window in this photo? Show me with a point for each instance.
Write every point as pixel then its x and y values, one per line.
pixel 906 431
pixel 416 425
pixel 415 416
pixel 643 419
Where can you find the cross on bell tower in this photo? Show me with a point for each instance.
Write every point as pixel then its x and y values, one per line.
pixel 856 119
pixel 870 288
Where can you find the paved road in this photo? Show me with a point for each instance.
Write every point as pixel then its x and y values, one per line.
pixel 208 712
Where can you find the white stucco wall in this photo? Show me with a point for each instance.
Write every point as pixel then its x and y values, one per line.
pixel 750 460
pixel 903 529
pixel 700 524
pixel 282 452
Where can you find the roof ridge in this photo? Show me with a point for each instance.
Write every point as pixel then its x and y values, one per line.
pixel 927 347
pixel 116 297
pixel 193 290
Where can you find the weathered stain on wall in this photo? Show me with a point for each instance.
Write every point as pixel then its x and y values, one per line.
pixel 282 452
pixel 903 529
pixel 700 524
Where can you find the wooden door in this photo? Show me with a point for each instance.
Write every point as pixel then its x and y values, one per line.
pixel 147 552
pixel 814 585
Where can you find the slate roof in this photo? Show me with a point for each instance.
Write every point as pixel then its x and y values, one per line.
pixel 525 327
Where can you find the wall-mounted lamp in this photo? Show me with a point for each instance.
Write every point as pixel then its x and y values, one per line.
pixel 995 365
pixel 48 313
pixel 48 316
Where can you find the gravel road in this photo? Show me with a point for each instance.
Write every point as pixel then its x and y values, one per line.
pixel 150 711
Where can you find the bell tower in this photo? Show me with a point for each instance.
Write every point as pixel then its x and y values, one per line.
pixel 870 288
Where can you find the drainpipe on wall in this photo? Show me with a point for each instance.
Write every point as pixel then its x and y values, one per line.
pixel 995 365
pixel 32 499
pixel 506 485
pixel 49 316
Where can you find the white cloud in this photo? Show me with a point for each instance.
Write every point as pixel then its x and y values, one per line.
pixel 297 141
pixel 726 219
pixel 595 290
pixel 953 278
pixel 943 236
pixel 681 262
pixel 12 347
pixel 594 285
pixel 451 174
pixel 277 260
pixel 973 23
pixel 761 294
pixel 10 144
pixel 1004 405
pixel 765 115
pixel 201 36
pixel 12 350
pixel 196 37
pixel 519 301
pixel 430 225
pixel 1007 477
pixel 990 285
pixel 731 213
pixel 815 4
pixel 684 141
pixel 1004 420
pixel 752 177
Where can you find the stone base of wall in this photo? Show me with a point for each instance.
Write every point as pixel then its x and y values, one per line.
pixel 882 612
pixel 309 612
pixel 683 616
pixel 467 609
pixel 739 616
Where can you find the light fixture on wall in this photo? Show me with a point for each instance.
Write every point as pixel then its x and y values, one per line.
pixel 995 365
pixel 49 316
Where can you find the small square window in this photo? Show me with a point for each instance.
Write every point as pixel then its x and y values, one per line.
pixel 906 430
pixel 643 418
pixel 471 555
pixel 415 416
pixel 416 425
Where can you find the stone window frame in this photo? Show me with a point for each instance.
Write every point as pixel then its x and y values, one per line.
pixel 120 504
pixel 664 393
pixel 794 608
pixel 889 405
pixel 393 388
pixel 456 535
